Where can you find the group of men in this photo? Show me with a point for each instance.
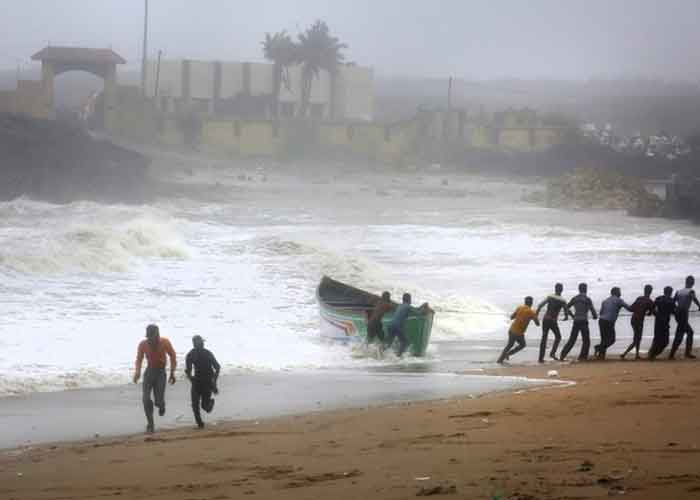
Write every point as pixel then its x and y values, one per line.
pixel 157 350
pixel 375 315
pixel 662 308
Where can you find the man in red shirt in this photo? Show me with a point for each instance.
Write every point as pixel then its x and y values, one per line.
pixel 156 349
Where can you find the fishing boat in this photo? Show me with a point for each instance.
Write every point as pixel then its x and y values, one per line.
pixel 344 311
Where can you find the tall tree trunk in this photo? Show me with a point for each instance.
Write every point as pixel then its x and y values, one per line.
pixel 277 86
pixel 306 81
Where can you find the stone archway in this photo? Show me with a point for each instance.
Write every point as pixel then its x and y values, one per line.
pixel 99 62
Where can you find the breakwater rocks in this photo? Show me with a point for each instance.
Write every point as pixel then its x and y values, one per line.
pixel 59 162
pixel 592 188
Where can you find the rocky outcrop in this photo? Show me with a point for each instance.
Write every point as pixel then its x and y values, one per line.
pixel 591 188
pixel 59 162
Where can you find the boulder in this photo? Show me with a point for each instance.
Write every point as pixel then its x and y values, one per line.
pixel 591 188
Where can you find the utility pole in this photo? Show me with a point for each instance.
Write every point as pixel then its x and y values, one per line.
pixel 145 49
pixel 155 92
pixel 449 95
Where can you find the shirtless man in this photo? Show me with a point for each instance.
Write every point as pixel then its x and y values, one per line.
pixel 555 303
pixel 374 319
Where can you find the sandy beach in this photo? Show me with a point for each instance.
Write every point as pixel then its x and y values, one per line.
pixel 624 428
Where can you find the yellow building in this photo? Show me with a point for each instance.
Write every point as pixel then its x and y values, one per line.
pixel 246 89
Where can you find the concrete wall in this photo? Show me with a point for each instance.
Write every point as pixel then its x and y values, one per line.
pixel 261 78
pixel 201 79
pixel 169 81
pixel 231 79
pixel 27 99
pixel 515 139
pixel 353 95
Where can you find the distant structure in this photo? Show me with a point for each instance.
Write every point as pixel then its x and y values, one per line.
pixel 36 99
pixel 228 108
pixel 245 89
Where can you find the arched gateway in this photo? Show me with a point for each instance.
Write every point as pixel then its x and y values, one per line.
pixel 99 62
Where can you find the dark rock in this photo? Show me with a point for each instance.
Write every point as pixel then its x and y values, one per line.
pixel 59 162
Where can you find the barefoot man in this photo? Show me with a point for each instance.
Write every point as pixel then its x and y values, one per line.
pixel 156 349
pixel 204 380
pixel 521 319
pixel 582 305
pixel 555 303
pixel 641 307
pixel 684 298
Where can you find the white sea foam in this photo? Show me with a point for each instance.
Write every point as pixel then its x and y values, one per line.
pixel 81 281
pixel 86 243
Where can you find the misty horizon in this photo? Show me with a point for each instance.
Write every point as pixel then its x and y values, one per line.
pixel 473 41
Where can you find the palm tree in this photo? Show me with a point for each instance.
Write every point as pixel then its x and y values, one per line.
pixel 318 50
pixel 282 51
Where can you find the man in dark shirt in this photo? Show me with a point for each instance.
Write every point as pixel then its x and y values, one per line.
pixel 206 373
pixel 582 305
pixel 641 307
pixel 555 303
pixel 664 308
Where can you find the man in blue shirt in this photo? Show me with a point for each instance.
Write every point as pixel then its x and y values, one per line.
pixel 582 305
pixel 396 327
pixel 609 311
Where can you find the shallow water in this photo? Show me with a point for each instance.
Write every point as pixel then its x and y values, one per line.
pixel 81 281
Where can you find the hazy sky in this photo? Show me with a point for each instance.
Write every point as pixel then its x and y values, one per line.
pixel 569 39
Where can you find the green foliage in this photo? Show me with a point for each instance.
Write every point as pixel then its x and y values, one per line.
pixel 318 50
pixel 283 52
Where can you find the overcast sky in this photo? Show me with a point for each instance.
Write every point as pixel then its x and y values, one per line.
pixel 568 39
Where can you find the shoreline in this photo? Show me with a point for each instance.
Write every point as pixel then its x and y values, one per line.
pixel 79 415
pixel 622 428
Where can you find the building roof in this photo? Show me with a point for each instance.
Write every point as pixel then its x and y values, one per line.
pixel 78 55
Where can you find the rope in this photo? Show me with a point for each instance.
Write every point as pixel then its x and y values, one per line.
pixel 490 313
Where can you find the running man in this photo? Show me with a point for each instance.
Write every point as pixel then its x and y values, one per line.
pixel 521 319
pixel 641 307
pixel 396 327
pixel 375 316
pixel 664 308
pixel 206 374
pixel 609 312
pixel 684 299
pixel 156 349
pixel 582 305
pixel 555 303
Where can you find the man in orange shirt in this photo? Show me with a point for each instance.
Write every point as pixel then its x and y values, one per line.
pixel 521 319
pixel 155 348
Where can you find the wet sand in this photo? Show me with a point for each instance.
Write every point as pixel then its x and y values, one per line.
pixel 625 427
pixel 82 414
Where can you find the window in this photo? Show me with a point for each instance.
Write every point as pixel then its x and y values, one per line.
pixel 317 110
pixel 286 109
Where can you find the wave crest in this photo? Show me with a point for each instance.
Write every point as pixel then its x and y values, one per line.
pixel 92 248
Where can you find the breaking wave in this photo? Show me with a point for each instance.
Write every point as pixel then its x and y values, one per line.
pixel 90 248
